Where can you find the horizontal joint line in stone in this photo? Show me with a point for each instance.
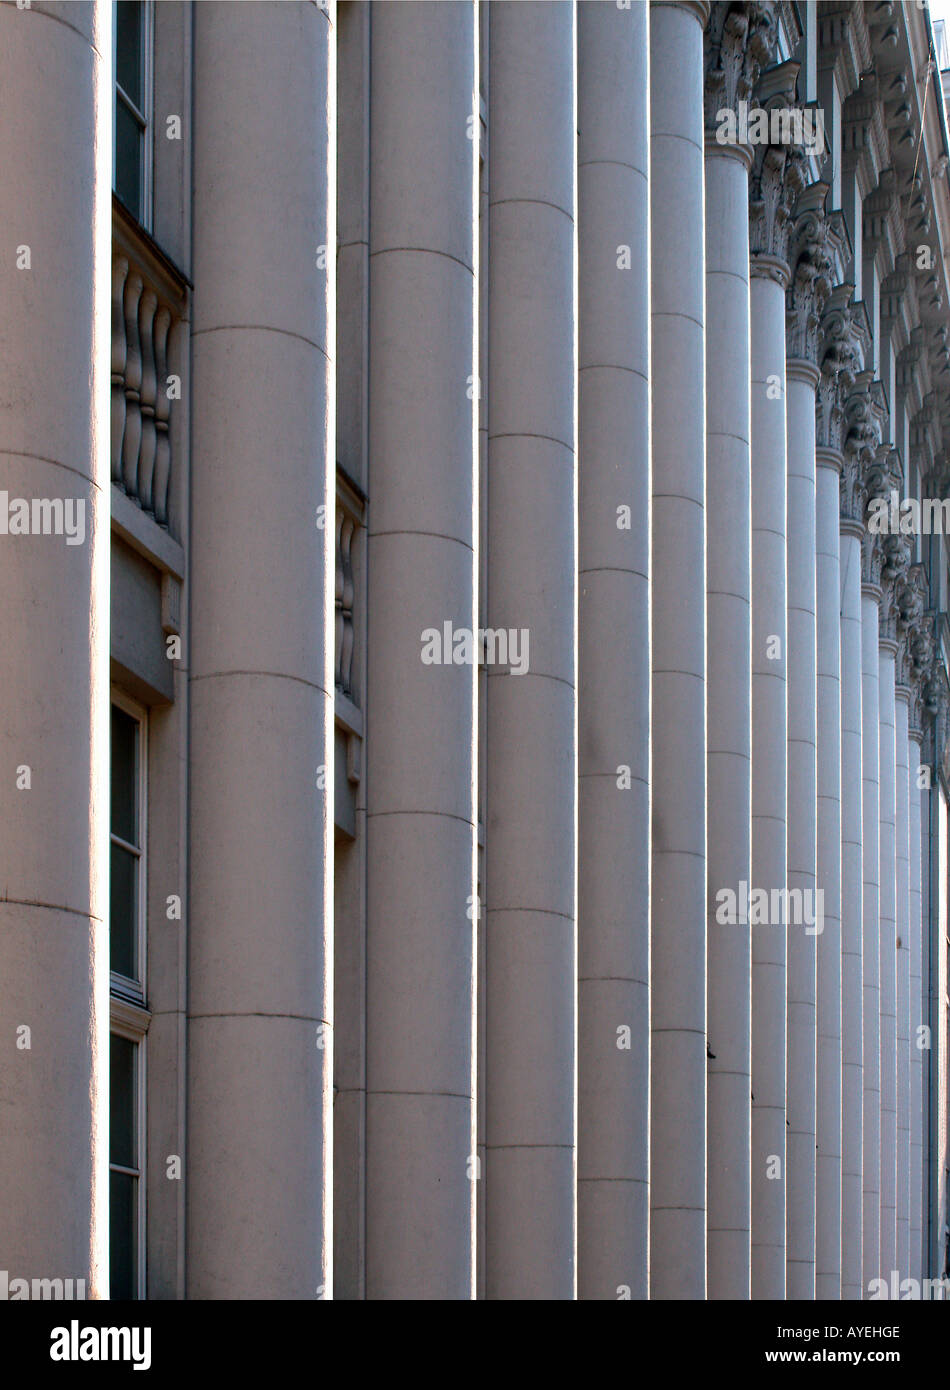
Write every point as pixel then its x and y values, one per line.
pixel 527 675
pixel 260 328
pixel 678 497
pixel 66 25
pixel 729 434
pixel 728 274
pixel 452 1095
pixel 531 1146
pixel 259 1013
pixel 539 202
pixel 674 135
pixel 528 434
pixel 542 911
pixel 620 163
pixel 52 907
pixel 444 815
pixel 729 593
pixel 595 776
pixel 271 675
pixel 637 1182
pixel 41 458
pixel 613 569
pixel 429 535
pixel 611 367
pixel 696 1032
pixel 728 753
pixel 611 979
pixel 421 251
pixel 669 314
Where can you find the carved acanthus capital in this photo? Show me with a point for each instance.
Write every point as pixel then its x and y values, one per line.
pixel 738 43
pixel 895 560
pixel 872 561
pixel 917 636
pixel 777 176
pixel 817 241
pixel 841 357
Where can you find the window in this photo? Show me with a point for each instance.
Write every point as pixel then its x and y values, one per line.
pixel 132 171
pixel 129 1017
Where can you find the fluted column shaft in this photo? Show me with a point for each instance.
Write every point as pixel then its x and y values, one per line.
pixel 871 815
pixel 769 752
pixel 852 916
pixel 888 956
pixel 916 1052
pixel 532 755
pixel 829 1043
pixel 613 994
pixel 421 814
pixel 902 1260
pixel 803 942
pixel 54 643
pixel 728 754
pixel 678 905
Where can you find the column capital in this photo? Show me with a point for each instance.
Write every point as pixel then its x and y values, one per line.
pixel 738 43
pixel 817 241
pixel 777 176
pixel 842 332
pixel 895 560
pixel 865 473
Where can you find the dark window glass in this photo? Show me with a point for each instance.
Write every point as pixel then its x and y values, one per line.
pixel 123 1200
pixel 128 49
pixel 122 1061
pixel 125 735
pixel 128 158
pixel 123 912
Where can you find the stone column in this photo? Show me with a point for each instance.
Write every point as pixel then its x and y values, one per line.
pixel 532 757
pixel 852 887
pixel 737 44
pixel 260 942
pixel 421 770
pixel 815 247
pixel 54 649
pixel 613 1200
pixel 915 760
pixel 871 811
pixel 902 1261
pixel 887 917
pixel 678 727
pixel 837 356
pixel 775 183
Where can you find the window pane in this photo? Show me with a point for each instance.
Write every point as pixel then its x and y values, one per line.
pixel 122 1063
pixel 129 146
pixel 128 49
pixel 123 1220
pixel 123 912
pixel 125 734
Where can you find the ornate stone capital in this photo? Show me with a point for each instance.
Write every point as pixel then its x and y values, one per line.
pixel 776 179
pixel 866 473
pixel 840 356
pixel 817 240
pixel 737 44
pixel 895 560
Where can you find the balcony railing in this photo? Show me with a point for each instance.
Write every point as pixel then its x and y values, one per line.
pixel 148 302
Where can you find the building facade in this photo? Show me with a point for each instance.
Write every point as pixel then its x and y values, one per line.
pixel 475 716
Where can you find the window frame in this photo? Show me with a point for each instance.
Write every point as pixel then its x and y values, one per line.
pixel 129 1016
pixel 145 117
pixel 135 990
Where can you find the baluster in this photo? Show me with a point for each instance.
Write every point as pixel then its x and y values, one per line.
pixel 147 307
pixel 163 452
pixel 120 268
pixel 133 383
